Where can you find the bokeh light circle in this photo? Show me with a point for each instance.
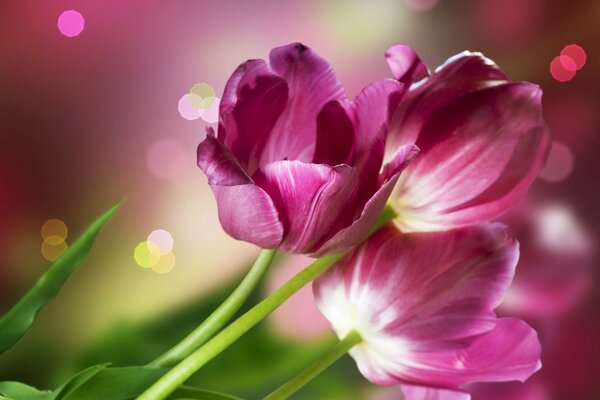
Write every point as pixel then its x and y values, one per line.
pixel 71 23
pixel 568 63
pixel 560 163
pixel 186 108
pixel 167 159
pixel 54 231
pixel 559 72
pixel 202 95
pixel 163 241
pixel 51 251
pixel 146 254
pixel 575 53
pixel 211 114
pixel 165 264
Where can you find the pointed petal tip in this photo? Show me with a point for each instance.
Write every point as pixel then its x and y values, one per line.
pixel 220 166
pixel 399 161
pixel 405 63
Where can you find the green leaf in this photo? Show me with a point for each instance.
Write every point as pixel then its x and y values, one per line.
pixel 75 383
pixel 20 391
pixel 101 383
pixel 115 384
pixel 15 323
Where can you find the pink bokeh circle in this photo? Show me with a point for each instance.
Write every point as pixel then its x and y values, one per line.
pixel 71 23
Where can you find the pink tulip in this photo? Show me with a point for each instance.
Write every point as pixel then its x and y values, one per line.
pixel 423 304
pixel 482 139
pixel 295 165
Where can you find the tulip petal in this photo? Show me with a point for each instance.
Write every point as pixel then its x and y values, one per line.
pixel 335 135
pixel 405 64
pixel 462 74
pixel 310 199
pixel 357 231
pixel 254 99
pixel 422 295
pixel 312 84
pixel 400 160
pixel 246 211
pixel 479 155
pixel 373 106
pixel 413 392
pixel 230 92
pixel 446 284
pixel 509 352
pixel 220 166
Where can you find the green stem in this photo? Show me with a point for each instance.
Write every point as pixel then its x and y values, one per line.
pixel 186 368
pixel 296 383
pixel 221 315
pixel 182 371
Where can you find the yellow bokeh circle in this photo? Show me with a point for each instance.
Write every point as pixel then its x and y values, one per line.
pixel 146 254
pixel 165 264
pixel 54 231
pixel 51 252
pixel 202 95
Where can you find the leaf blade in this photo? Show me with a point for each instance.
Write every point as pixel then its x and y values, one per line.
pixel 17 321
pixel 124 383
pixel 20 391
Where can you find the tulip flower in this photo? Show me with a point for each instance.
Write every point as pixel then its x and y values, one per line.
pixel 482 138
pixel 295 165
pixel 423 305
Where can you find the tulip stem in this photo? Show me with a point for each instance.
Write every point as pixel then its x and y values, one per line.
pixel 221 315
pixel 332 355
pixel 182 371
pixel 169 382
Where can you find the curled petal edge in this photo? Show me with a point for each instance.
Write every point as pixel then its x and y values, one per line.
pixel 246 211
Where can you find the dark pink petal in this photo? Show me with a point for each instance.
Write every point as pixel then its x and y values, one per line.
pixel 464 73
pixel 373 107
pixel 509 352
pixel 479 155
pixel 219 165
pixel 400 160
pixel 412 392
pixel 356 232
pixel 312 84
pixel 335 135
pixel 254 100
pixel 230 93
pixel 246 211
pixel 313 200
pixel 405 64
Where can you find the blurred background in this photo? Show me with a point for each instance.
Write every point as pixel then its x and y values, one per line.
pixel 95 106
